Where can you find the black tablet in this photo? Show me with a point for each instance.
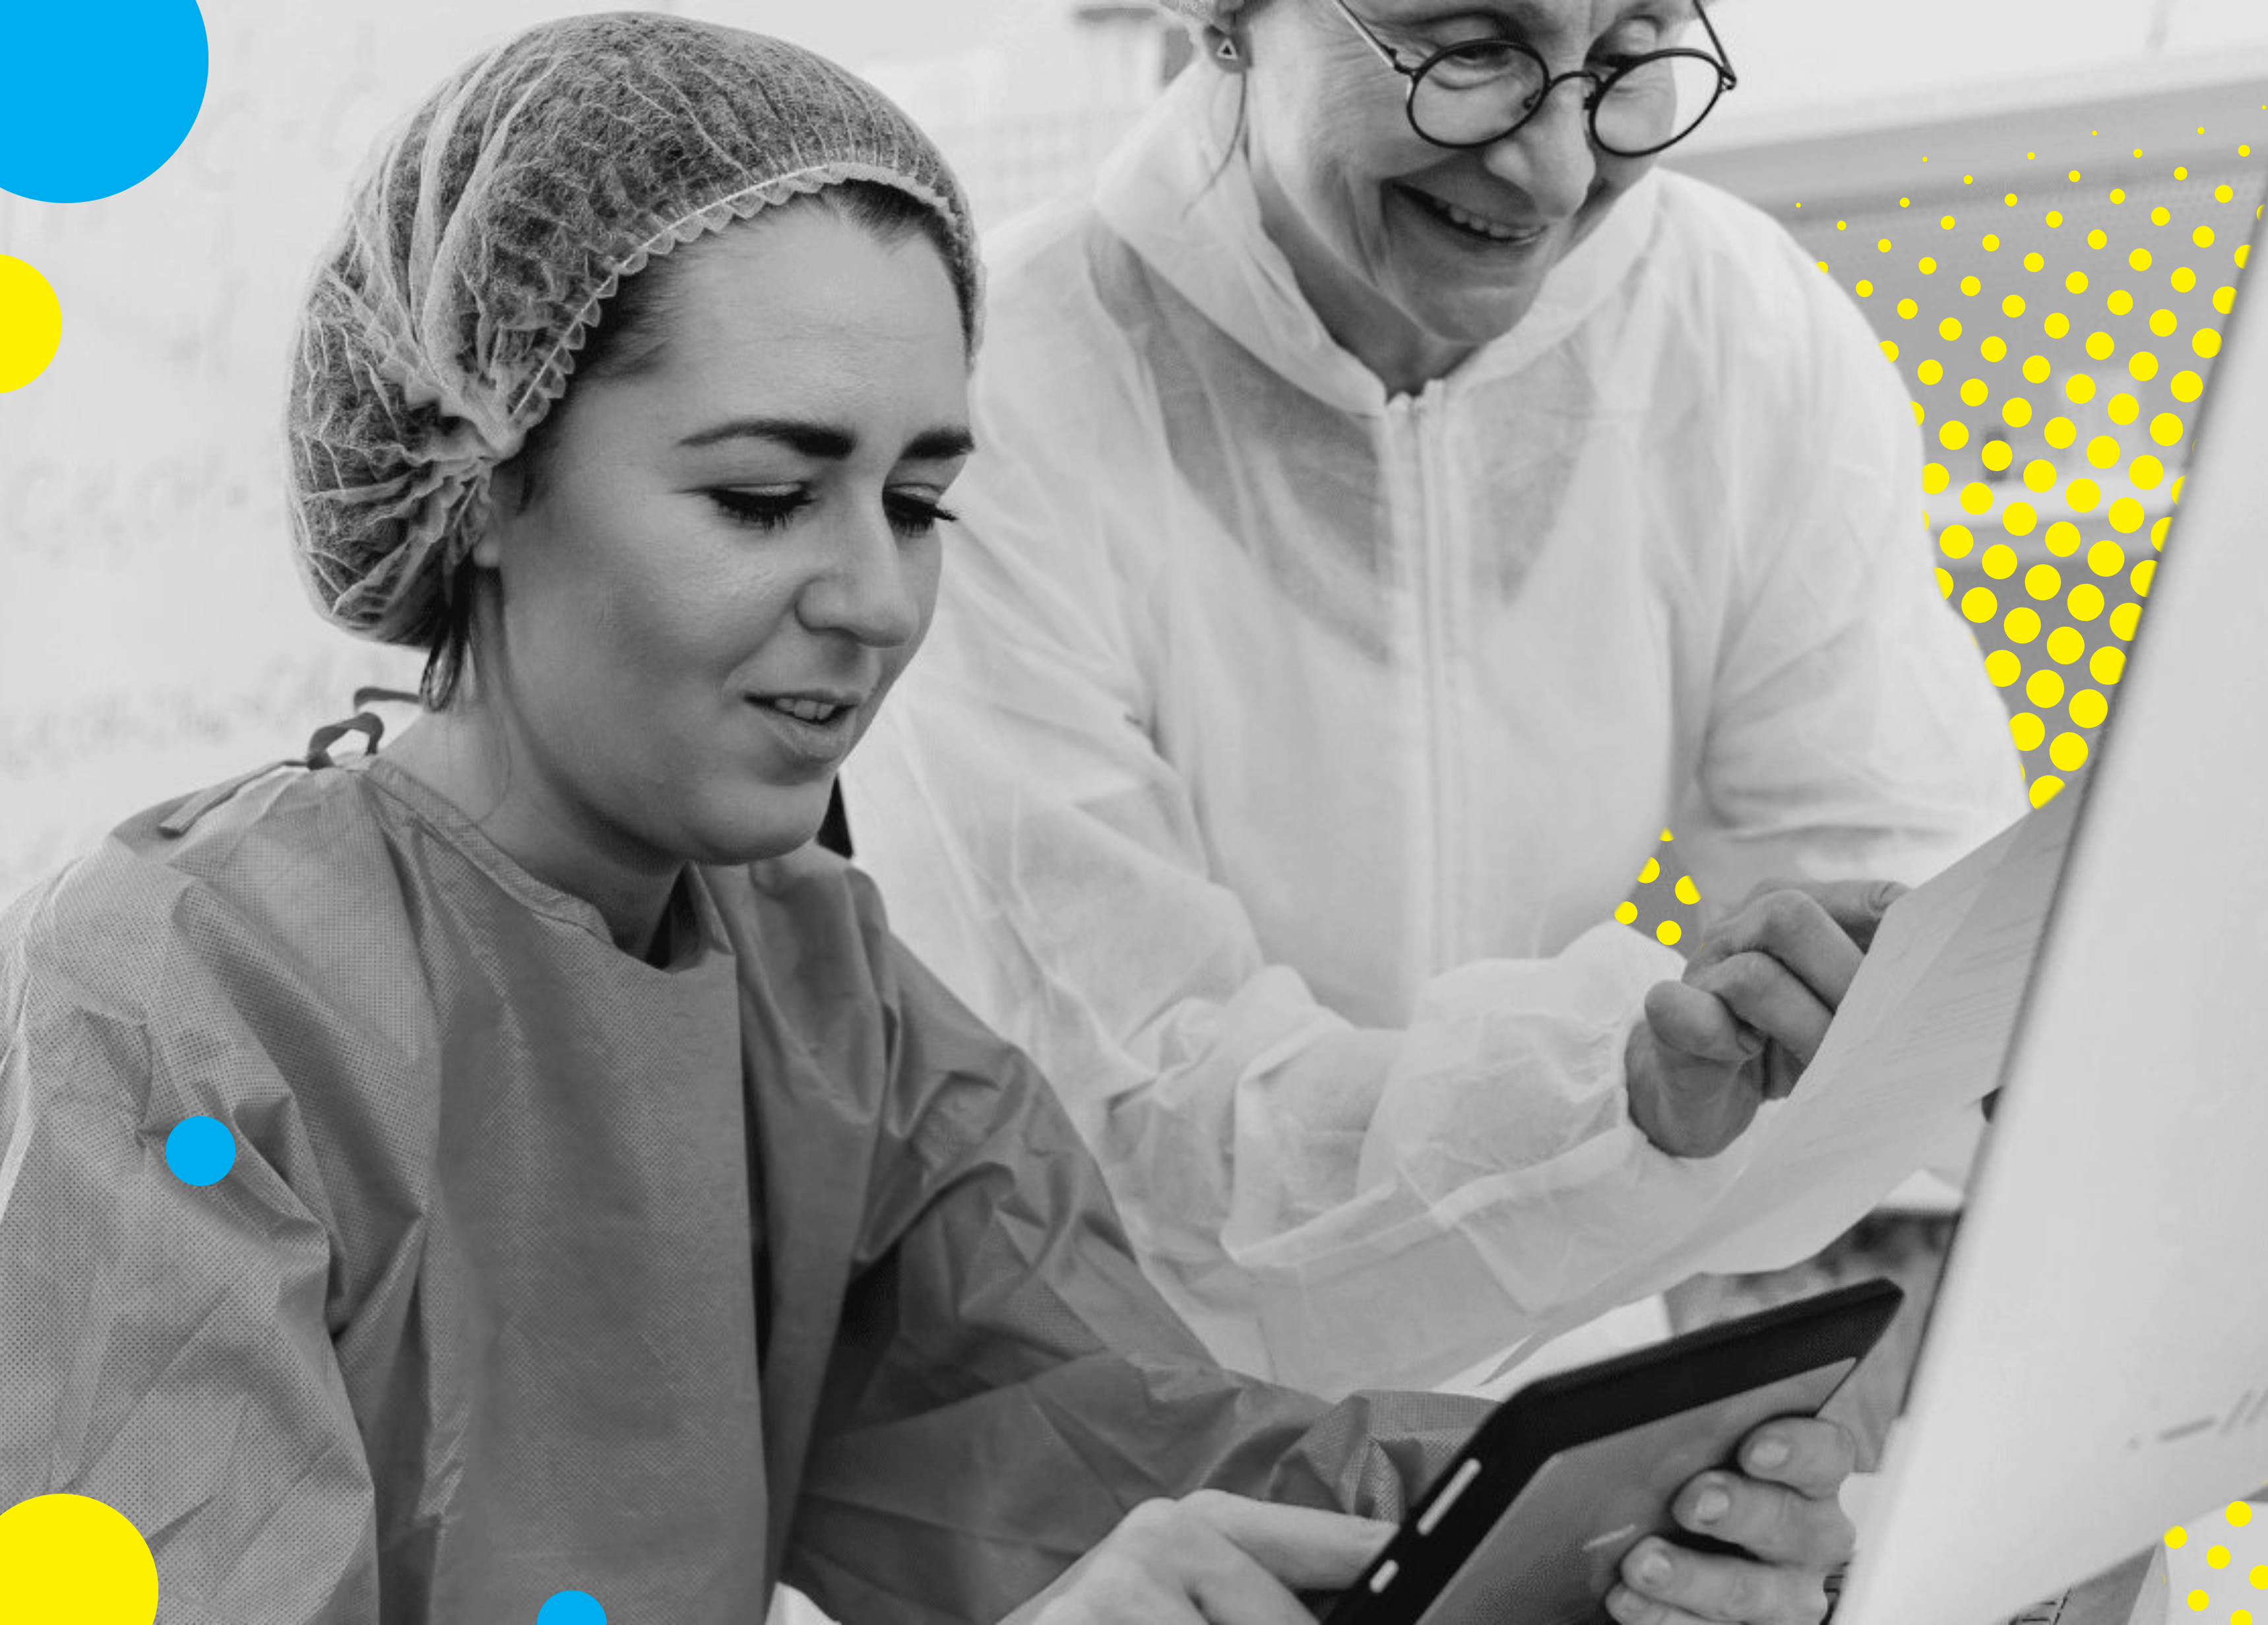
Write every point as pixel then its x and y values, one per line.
pixel 1528 1525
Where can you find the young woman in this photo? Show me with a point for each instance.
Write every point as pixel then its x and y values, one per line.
pixel 614 1206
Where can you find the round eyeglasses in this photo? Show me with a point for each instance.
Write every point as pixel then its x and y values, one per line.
pixel 1477 92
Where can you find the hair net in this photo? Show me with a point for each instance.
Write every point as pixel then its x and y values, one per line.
pixel 1215 13
pixel 488 231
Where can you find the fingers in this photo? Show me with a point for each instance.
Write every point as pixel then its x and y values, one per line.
pixel 1304 1549
pixel 1802 931
pixel 1170 1562
pixel 1766 1521
pixel 1664 1585
pixel 1808 1454
pixel 1772 998
pixel 1856 906
pixel 1693 1021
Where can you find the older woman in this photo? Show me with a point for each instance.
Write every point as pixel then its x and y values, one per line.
pixel 1409 502
pixel 609 1204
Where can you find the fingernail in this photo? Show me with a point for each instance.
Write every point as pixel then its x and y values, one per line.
pixel 1711 1505
pixel 1769 1453
pixel 1653 1566
pixel 1624 1605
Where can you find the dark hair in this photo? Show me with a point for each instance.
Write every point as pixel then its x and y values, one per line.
pixel 625 339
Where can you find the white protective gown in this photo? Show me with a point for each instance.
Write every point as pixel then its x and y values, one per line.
pixel 1280 748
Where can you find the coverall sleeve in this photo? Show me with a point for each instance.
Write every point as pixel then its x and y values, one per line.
pixel 1331 1205
pixel 1852 732
pixel 164 1348
pixel 1008 1384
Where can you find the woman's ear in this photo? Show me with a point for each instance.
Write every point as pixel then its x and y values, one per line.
pixel 505 499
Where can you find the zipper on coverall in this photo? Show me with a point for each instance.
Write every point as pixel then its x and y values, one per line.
pixel 1433 575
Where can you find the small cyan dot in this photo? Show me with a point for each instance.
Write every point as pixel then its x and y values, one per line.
pixel 200 1150
pixel 572 1609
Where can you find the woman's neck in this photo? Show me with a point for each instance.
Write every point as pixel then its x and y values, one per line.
pixel 473 758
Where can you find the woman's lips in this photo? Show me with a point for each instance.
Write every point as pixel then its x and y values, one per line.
pixel 1478 227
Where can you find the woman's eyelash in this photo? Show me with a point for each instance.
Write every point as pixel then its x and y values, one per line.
pixel 769 510
pixel 764 510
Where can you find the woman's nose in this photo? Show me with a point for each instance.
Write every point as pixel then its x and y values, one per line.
pixel 1551 157
pixel 867 586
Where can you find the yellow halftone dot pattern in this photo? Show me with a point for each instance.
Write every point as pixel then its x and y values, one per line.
pixel 2217 1565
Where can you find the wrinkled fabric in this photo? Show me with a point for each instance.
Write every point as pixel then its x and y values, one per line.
pixel 483 239
pixel 543 1268
pixel 1279 746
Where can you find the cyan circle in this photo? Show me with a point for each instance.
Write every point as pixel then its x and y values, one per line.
pixel 201 1151
pixel 572 1609
pixel 95 95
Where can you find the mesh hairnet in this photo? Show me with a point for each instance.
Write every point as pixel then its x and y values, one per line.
pixel 488 231
pixel 1213 12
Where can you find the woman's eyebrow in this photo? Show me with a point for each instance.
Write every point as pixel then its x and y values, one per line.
pixel 831 441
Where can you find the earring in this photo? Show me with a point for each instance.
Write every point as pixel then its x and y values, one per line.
pixel 1229 53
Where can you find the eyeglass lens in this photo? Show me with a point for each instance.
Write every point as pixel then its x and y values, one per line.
pixel 1476 93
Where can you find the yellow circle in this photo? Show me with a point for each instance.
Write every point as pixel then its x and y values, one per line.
pixel 2103 451
pixel 1929 371
pixel 2045 688
pixel 2020 519
pixel 2224 300
pixel 2186 386
pixel 2162 322
pixel 1890 348
pixel 2083 494
pixel 2106 558
pixel 2040 473
pixel 1688 893
pixel 2123 409
pixel 2027 730
pixel 2065 644
pixel 2144 574
pixel 2216 1557
pixel 1626 913
pixel 2176 1537
pixel 2161 215
pixel 1978 604
pixel 2016 411
pixel 2057 325
pixel 1944 582
pixel 1957 540
pixel 1949 328
pixel 2183 280
pixel 2146 472
pixel 2199 1601
pixel 2076 282
pixel 1953 435
pixel 2142 366
pixel 2259 1577
pixel 2099 346
pixel 1994 348
pixel 2125 515
pixel 72 1558
pixel 2166 428
pixel 2123 620
pixel 2042 581
pixel 2022 624
pixel 2158 531
pixel 1977 497
pixel 1926 265
pixel 31 323
pixel 2079 387
pixel 2108 665
pixel 1651 873
pixel 1668 931
pixel 2119 302
pixel 2088 708
pixel 1997 455
pixel 1974 392
pixel 1934 478
pixel 2063 538
pixel 2085 603
pixel 2003 667
pixel 2202 237
pixel 2205 342
pixel 2239 1512
pixel 2013 305
pixel 2000 561
pixel 2059 432
pixel 2139 258
pixel 2036 369
pixel 1906 309
pixel 2045 788
pixel 2035 262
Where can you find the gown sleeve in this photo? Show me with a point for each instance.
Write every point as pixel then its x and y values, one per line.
pixel 1008 1384
pixel 1852 732
pixel 164 1348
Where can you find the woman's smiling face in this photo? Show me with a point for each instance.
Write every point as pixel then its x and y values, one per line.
pixel 1413 255
pixel 727 555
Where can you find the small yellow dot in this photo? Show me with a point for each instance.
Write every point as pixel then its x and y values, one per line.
pixel 1953 435
pixel 2142 366
pixel 1994 348
pixel 2205 342
pixel 1996 455
pixel 2060 432
pixel 2028 731
pixel 2103 451
pixel 2183 280
pixel 2144 573
pixel 1970 287
pixel 2076 282
pixel 2176 1537
pixel 2216 1557
pixel 1667 836
pixel 1974 392
pixel 2239 1512
pixel 1668 931
pixel 1688 893
pixel 2202 237
pixel 2097 237
pixel 1926 266
pixel 1977 497
pixel 2224 300
pixel 2158 532
pixel 2080 388
pixel 1890 348
pixel 2106 558
pixel 2016 411
pixel 2020 519
pixel 1651 873
pixel 2126 516
pixel 2123 620
pixel 1930 370
pixel 1978 604
pixel 1947 223
pixel 2057 325
pixel 2199 1601
pixel 1626 913
pixel 2146 472
pixel 2043 581
pixel 2139 258
pixel 1935 476
pixel 1956 541
pixel 2045 688
pixel 2123 409
pixel 2085 603
pixel 2166 428
pixel 2000 561
pixel 2107 665
pixel 2186 386
pixel 2259 1577
pixel 1865 289
pixel 2040 473
pixel 2035 262
pixel 1906 309
pixel 2161 215
pixel 2083 494
pixel 2036 369
pixel 2002 667
pixel 2066 645
pixel 1949 328
pixel 2119 302
pixel 2088 708
pixel 2222 195
pixel 2043 789
pixel 1944 582
pixel 2063 538
pixel 2100 344
pixel 1884 245
pixel 2162 323
pixel 2022 624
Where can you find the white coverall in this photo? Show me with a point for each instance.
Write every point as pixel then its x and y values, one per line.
pixel 1282 749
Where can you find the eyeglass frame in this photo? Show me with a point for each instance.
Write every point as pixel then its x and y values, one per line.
pixel 1726 79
